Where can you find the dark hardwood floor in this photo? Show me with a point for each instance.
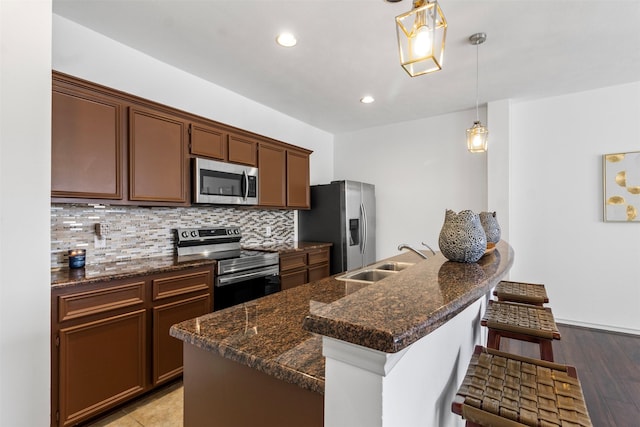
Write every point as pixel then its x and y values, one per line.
pixel 608 366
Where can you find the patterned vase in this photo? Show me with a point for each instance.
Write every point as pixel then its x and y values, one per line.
pixel 462 238
pixel 491 227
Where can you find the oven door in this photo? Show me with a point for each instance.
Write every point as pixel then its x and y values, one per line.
pixel 224 183
pixel 236 288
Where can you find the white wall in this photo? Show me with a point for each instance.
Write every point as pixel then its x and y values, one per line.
pixel 420 168
pixel 89 55
pixel 25 281
pixel 590 267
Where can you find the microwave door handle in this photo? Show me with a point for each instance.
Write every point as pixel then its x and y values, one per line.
pixel 246 185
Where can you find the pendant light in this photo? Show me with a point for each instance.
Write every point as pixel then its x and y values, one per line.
pixel 421 36
pixel 478 134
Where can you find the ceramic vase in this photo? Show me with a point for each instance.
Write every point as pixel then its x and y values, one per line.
pixel 491 227
pixel 462 238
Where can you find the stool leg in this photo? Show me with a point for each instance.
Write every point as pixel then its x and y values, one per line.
pixel 546 350
pixel 493 339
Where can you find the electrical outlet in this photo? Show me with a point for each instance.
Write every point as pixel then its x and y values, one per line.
pixel 99 243
pixel 267 231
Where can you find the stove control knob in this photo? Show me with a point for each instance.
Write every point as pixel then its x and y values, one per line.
pixel 185 234
pixel 194 233
pixel 236 231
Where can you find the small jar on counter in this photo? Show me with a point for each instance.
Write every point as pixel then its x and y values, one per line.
pixel 77 258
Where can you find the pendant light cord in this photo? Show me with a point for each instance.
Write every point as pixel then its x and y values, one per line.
pixel 477 114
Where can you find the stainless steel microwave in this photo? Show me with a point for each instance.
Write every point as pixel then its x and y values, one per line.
pixel 224 183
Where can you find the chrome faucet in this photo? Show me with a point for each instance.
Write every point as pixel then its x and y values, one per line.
pixel 405 246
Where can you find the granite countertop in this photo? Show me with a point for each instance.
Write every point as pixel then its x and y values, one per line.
pixel 399 310
pixel 288 247
pixel 120 270
pixel 281 334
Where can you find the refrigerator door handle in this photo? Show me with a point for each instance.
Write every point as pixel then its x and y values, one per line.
pixel 363 211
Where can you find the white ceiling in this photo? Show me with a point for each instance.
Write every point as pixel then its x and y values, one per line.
pixel 348 48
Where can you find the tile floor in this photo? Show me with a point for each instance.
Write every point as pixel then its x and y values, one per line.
pixel 159 409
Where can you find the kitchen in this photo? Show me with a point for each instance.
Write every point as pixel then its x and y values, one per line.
pixel 530 203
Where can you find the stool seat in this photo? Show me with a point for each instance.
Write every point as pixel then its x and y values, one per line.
pixel 526 293
pixel 522 322
pixel 505 390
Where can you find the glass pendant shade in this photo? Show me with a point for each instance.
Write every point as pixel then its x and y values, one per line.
pixel 421 37
pixel 477 138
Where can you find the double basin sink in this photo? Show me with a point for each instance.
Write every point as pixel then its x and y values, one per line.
pixel 375 272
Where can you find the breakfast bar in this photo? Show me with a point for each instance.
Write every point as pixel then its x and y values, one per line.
pixel 381 352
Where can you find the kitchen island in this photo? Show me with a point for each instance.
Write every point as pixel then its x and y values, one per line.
pixel 336 352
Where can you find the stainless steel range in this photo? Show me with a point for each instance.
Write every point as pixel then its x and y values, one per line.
pixel 240 275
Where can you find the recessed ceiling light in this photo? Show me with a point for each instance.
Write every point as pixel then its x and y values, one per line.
pixel 286 40
pixel 367 99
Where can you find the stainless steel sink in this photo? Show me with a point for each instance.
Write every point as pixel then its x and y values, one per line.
pixel 367 275
pixel 394 266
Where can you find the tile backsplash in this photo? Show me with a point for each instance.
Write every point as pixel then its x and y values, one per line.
pixel 133 232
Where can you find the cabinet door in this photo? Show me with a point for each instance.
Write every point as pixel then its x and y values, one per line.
pixel 207 141
pixel 272 175
pixel 101 364
pixel 298 180
pixel 242 150
pixel 167 350
pixel 86 146
pixel 157 169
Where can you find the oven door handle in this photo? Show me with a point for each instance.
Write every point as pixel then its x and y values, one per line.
pixel 241 277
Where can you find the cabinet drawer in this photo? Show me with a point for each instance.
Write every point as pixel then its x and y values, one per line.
pixel 318 272
pixel 180 284
pixel 291 280
pixel 318 256
pixel 293 261
pixel 83 304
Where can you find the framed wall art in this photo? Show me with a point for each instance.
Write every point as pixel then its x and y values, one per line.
pixel 621 172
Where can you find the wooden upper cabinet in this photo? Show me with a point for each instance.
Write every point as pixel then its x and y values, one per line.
pixel 207 141
pixel 242 150
pixel 272 175
pixel 157 157
pixel 298 180
pixel 86 145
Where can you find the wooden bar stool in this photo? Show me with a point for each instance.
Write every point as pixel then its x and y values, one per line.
pixel 521 322
pixel 505 390
pixel 525 293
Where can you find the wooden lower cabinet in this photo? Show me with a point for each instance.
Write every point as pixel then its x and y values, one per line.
pixel 102 363
pixel 167 350
pixel 111 342
pixel 304 266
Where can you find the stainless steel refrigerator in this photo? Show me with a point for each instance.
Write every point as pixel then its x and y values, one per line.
pixel 343 213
